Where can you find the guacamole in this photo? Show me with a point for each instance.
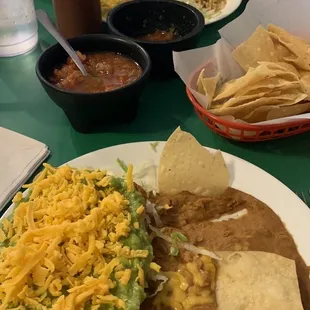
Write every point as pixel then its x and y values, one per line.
pixel 83 243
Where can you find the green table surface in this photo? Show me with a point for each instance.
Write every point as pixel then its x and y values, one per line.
pixel 26 108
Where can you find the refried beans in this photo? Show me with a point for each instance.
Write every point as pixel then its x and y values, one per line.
pixel 259 230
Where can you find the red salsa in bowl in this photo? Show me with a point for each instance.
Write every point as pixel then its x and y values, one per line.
pixel 107 71
pixel 159 35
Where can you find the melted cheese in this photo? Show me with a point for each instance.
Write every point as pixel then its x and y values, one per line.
pixel 68 235
pixel 193 285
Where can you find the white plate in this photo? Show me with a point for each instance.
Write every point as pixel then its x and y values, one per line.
pixel 244 176
pixel 231 6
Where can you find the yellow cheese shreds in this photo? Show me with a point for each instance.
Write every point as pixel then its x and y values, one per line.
pixel 68 235
pixel 110 299
pixel 129 178
pixel 2 235
pixel 167 207
pixel 126 277
pixel 7 228
pixel 155 267
pixel 140 277
pixel 18 197
pixel 140 210
pixel 136 225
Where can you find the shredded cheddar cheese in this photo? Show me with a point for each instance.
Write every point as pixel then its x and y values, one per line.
pixel 129 178
pixel 155 267
pixel 67 236
pixel 140 277
pixel 140 210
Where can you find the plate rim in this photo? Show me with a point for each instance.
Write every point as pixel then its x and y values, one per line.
pixel 230 10
pixel 235 5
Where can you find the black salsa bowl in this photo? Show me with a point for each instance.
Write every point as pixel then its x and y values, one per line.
pixel 88 111
pixel 140 17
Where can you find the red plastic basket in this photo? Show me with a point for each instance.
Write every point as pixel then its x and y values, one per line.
pixel 247 132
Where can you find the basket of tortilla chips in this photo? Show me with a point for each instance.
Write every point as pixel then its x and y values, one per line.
pixel 255 89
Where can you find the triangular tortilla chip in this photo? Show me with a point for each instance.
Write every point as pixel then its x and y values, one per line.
pixel 305 80
pixel 281 50
pixel 185 165
pixel 239 112
pixel 207 85
pixel 298 62
pixel 258 47
pixel 200 87
pixel 243 279
pixel 266 113
pixel 260 73
pixel 210 84
pixel 297 46
pixel 282 66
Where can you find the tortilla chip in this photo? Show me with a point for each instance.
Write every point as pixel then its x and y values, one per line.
pixel 261 73
pixel 282 66
pixel 241 111
pixel 267 113
pixel 266 75
pixel 238 101
pixel 297 46
pixel 286 37
pixel 258 47
pixel 298 62
pixel 207 85
pixel 200 87
pixel 305 80
pixel 281 50
pixel 210 84
pixel 185 165
pixel 273 84
pixel 257 281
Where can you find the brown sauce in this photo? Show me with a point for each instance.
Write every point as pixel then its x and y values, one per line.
pixel 260 230
pixel 159 35
pixel 107 71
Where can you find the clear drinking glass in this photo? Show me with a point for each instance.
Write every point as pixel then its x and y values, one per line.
pixel 18 27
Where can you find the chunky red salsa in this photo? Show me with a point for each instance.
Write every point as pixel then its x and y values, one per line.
pixel 159 35
pixel 107 71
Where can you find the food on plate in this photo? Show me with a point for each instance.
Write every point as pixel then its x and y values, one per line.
pixel 77 241
pixel 107 71
pixel 276 83
pixel 187 166
pixel 242 279
pixel 159 35
pixel 209 8
pixel 86 239
pixel 108 5
pixel 211 222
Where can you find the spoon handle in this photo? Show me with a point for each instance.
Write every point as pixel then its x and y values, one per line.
pixel 46 22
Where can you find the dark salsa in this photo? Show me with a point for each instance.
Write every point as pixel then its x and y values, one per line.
pixel 107 71
pixel 159 35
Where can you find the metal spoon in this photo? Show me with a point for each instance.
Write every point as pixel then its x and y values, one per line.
pixel 48 25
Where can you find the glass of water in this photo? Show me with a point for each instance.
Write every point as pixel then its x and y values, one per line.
pixel 18 27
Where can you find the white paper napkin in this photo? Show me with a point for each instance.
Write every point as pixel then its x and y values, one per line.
pixel 20 156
